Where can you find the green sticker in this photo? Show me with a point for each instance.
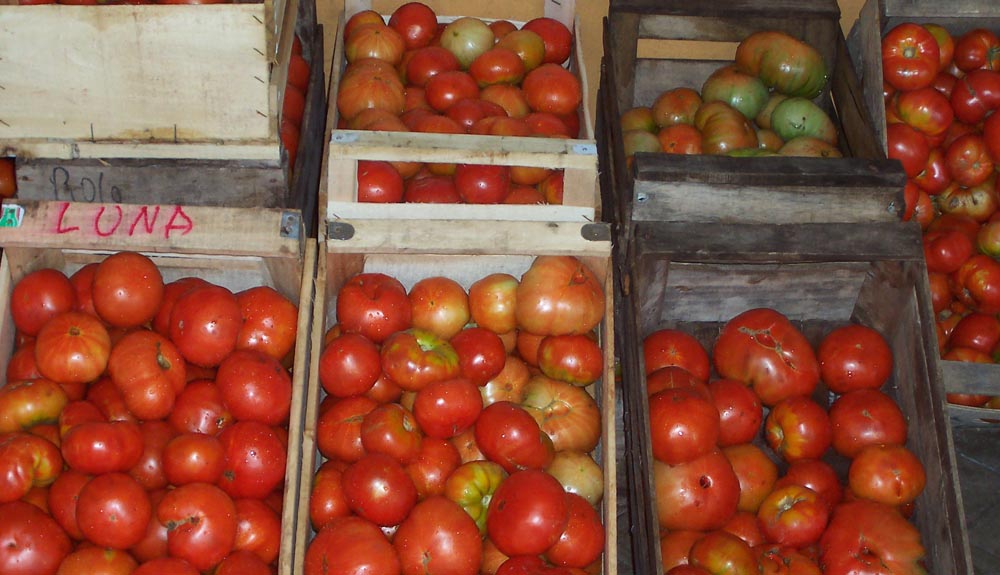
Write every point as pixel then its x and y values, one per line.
pixel 12 216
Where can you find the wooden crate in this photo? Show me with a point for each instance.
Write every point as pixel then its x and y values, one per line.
pixel 651 47
pixel 865 43
pixel 290 274
pixel 577 157
pixel 480 254
pixel 161 122
pixel 820 276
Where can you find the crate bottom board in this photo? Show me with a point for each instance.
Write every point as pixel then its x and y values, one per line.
pixel 979 473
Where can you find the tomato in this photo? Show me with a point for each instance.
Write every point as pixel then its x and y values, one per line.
pixel 467 38
pixel 39 296
pixel 559 295
pixel 762 348
pixel 699 495
pixel 258 529
pixel 166 566
pixel 722 552
pixel 508 385
pixel 667 347
pixel 509 435
pixel 270 321
pixel 557 38
pixel 205 324
pixel 31 543
pixel 863 536
pixel 370 86
pixel 798 428
pixel 975 95
pixel 793 515
pixel 945 251
pixel 24 404
pixel 784 560
pixel 22 363
pixel 675 547
pixel 889 474
pixel 255 459
pixel 26 461
pixel 113 511
pixel 100 447
pixel 427 62
pixel 854 357
pixel 391 429
pixel 968 160
pixel 911 57
pixel 673 377
pixel 377 488
pixel 149 371
pixel 977 49
pixel 472 486
pixel 62 499
pixel 564 412
pixel 72 347
pixel 431 189
pixel 200 409
pixel 255 387
pixel 449 87
pixel 416 357
pixel 8 177
pixel 925 109
pixel 582 542
pixel 977 283
pixel 978 202
pixel 676 106
pixel 740 411
pixel 864 417
pixel 338 431
pixel 327 500
pixel 527 514
pixel 193 457
pixel 446 408
pixel 683 426
pixel 416 23
pixel 435 462
pixel 440 305
pixel 497 65
pixel 204 524
pixel 978 331
pixel 786 64
pixel 97 561
pixel 482 184
pixel 481 354
pixel 171 291
pixel 575 359
pixel 127 289
pixel 374 305
pixel 909 146
pixel 680 139
pixel 553 89
pixel 149 471
pixel 351 545
pixel 755 472
pixel 243 563
pixel 374 41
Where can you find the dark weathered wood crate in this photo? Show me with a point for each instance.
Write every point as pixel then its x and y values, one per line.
pixel 232 170
pixel 865 41
pixel 695 278
pixel 654 46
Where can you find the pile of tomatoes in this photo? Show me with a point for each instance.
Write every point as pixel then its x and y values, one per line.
pixel 293 107
pixel 144 424
pixel 940 97
pixel 745 470
pixel 457 426
pixel 467 76
pixel 761 104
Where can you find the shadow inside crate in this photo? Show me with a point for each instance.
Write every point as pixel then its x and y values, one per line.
pixel 979 473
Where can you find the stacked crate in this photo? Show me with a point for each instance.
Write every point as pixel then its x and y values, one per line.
pixel 161 105
pixel 463 242
pixel 704 238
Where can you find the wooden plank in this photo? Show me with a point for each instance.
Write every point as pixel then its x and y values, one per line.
pixel 931 8
pixel 789 8
pixel 150 228
pixel 134 72
pixel 972 378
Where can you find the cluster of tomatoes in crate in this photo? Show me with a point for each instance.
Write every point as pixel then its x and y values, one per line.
pixel 458 447
pixel 940 96
pixel 720 497
pixel 467 76
pixel 762 104
pixel 144 425
pixel 293 106
pixel 381 182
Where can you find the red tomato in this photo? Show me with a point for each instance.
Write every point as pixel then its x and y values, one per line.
pixel 149 471
pixel 762 348
pixel 527 514
pixel 755 472
pixel 24 404
pixel 113 511
pixel 793 515
pixel 975 95
pixel 582 542
pixel 200 409
pixel 683 426
pixel 977 283
pixel 255 387
pixel 31 543
pixel 431 190
pixel 258 529
pixel 434 463
pixel 864 417
pixel 426 63
pixel 925 109
pixel 507 434
pixel 370 83
pixel 166 566
pixel 22 363
pixel 889 474
pixel 255 460
pixel 565 412
pixel 798 428
pixel 98 561
pixel 740 411
pixel 392 430
pixel 149 371
pixel 745 526
pixel 338 431
pixel 416 357
pixel 351 545
pixel 935 176
pixel 527 345
pixel 559 295
pixel 26 461
pixel 552 88
pixel 127 289
pixel 699 495
pixel 349 365
pixel 977 331
pixel 481 354
pixel 557 38
pixel 576 359
pixel 205 324
pixel 39 296
pixel 909 146
pixel 243 563
pixel 374 305
pixel 444 409
pixel 205 524
pixel 448 87
pixel 910 57
pixel 270 321
pixel 62 498
pixel 529 45
pixel 377 488
pixel 854 357
pixel 440 305
pixel 498 65
pixel 671 347
pixel 72 347
pixel 977 49
pixel 438 536
pixel 467 112
pixel 673 377
pixel 482 184
pixel 946 250
pixel 968 160
pixel 100 447
pixel 514 103
pixel 327 500
pixel 719 551
pixel 675 547
pixel 416 23
pixel 379 182
pixel 193 457
pixel 172 291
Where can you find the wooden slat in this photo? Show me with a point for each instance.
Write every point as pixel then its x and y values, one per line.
pixel 787 8
pixel 972 378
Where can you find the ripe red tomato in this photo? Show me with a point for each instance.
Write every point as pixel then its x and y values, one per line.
pixel 979 331
pixel 171 291
pixel 527 514
pixel 968 160
pixel 270 321
pixel 552 88
pixel 798 428
pixel 338 431
pixel 507 434
pixel 22 363
pixel 255 460
pixel 149 371
pixel 492 302
pixel 258 530
pixel 793 515
pixel 925 109
pixel 62 498
pixel 975 95
pixel 379 182
pixel 431 190
pixel 97 561
pixel 243 563
pixel 449 87
pixel 127 289
pixel 762 348
pixel 699 495
pixel 113 511
pixel 439 536
pixel 440 305
pixel 351 545
pixel 205 524
pixel 426 63
pixel 576 359
pixel 977 49
pixel 444 409
pixel 977 283
pixel 719 551
pixel 481 354
pixel 374 305
pixel 755 472
pixel 200 409
pixel 100 447
pixel 31 542
pixel 349 365
pixel 327 500
pixel 862 532
pixel 498 65
pixel 482 184
pixel 946 250
pixel 582 542
pixel 391 429
pixel 668 347
pixel 910 57
pixel 909 146
pixel 149 471
pixel 434 463
pixel 255 387
pixel 816 475
pixel 24 404
pixel 193 457
pixel 865 417
pixel 559 295
pixel 39 296
pixel 416 23
pixel 72 347
pixel 683 426
pixel 205 324
pixel 416 357
pixel 166 566
pixel 854 357
pixel 935 176
pixel 557 38
pixel 26 461
pixel 889 474
pixel 377 488
pixel 740 411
